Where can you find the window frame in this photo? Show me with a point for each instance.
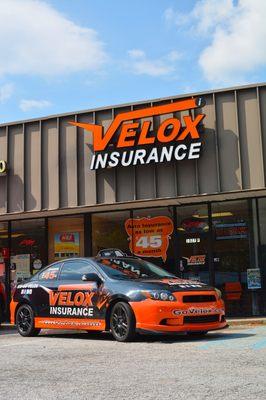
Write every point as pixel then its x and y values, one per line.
pixel 50 266
pixel 71 261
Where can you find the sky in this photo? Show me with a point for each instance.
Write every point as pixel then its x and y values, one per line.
pixel 62 55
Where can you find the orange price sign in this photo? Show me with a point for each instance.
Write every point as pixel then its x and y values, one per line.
pixel 149 237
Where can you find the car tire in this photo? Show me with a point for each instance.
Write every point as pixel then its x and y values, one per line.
pixel 122 322
pixel 25 321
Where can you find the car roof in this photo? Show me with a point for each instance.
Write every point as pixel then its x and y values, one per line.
pixel 96 258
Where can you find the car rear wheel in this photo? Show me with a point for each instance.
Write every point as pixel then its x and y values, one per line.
pixel 25 321
pixel 122 322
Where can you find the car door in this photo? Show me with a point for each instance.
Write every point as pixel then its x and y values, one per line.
pixel 80 303
pixel 42 287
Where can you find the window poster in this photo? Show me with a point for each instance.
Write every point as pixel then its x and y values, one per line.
pixel 21 264
pixel 66 244
pixel 149 237
pixel 254 278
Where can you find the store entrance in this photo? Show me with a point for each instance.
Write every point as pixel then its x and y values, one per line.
pixel 193 242
pixel 4 254
pixel 232 244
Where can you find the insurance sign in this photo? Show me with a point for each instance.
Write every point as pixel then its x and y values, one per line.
pixel 131 141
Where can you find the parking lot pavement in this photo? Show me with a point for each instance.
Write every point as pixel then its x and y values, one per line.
pixel 225 365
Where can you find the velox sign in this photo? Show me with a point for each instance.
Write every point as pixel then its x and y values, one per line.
pixel 3 167
pixel 134 143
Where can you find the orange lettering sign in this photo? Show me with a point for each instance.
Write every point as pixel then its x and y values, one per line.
pixel 149 237
pixel 129 137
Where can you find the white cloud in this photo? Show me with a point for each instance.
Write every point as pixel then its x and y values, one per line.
pixel 239 48
pixel 203 17
pixel 28 105
pixel 209 13
pixel 36 39
pixel 6 92
pixel 136 53
pixel 140 64
pixel 236 33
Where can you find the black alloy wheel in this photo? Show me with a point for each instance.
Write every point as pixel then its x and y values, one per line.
pixel 122 322
pixel 25 321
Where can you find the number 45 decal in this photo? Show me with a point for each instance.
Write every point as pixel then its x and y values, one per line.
pixel 153 244
pixel 149 241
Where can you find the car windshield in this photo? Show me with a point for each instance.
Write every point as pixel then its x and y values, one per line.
pixel 130 268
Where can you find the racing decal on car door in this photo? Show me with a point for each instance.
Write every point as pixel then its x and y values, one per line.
pixel 75 306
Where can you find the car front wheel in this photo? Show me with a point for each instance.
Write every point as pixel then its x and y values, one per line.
pixel 25 321
pixel 122 322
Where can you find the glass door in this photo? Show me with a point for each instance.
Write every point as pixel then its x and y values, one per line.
pixel 4 255
pixel 192 238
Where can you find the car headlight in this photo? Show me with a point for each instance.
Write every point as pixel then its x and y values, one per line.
pixel 160 295
pixel 219 293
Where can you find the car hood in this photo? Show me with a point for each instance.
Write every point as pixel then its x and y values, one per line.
pixel 170 284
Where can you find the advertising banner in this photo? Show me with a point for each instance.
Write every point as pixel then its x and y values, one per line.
pixel 196 260
pixel 149 237
pixel 66 244
pixel 253 278
pixel 238 230
pixel 22 265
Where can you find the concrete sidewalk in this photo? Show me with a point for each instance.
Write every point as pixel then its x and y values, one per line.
pixel 246 321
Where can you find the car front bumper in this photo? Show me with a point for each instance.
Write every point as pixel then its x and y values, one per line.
pixel 176 316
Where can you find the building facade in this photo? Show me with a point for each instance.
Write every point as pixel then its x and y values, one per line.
pixel 179 181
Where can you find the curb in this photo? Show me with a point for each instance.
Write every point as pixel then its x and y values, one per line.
pixel 6 327
pixel 248 321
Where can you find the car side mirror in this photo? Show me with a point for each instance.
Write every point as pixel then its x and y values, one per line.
pixel 92 277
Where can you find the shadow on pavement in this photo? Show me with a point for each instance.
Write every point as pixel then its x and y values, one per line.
pixel 149 338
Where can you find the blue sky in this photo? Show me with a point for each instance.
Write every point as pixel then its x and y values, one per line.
pixel 62 56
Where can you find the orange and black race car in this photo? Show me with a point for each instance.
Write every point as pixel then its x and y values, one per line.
pixel 122 294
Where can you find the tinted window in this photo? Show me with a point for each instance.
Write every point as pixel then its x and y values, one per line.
pixel 74 270
pixel 51 273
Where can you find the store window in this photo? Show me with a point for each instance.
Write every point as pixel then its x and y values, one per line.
pixel 28 250
pixel 192 239
pixel 232 231
pixel 65 237
pixel 151 238
pixel 261 279
pixel 108 231
pixel 4 254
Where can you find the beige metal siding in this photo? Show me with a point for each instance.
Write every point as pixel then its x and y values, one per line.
pixel 86 177
pixel 125 177
pixel 68 163
pixel 165 174
pixel 50 157
pixel 105 179
pixel 208 179
pixel 262 114
pixel 3 179
pixel 228 142
pixel 250 139
pixel 32 167
pixel 16 168
pixel 49 160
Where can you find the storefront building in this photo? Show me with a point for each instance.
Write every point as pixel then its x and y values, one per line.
pixel 179 181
